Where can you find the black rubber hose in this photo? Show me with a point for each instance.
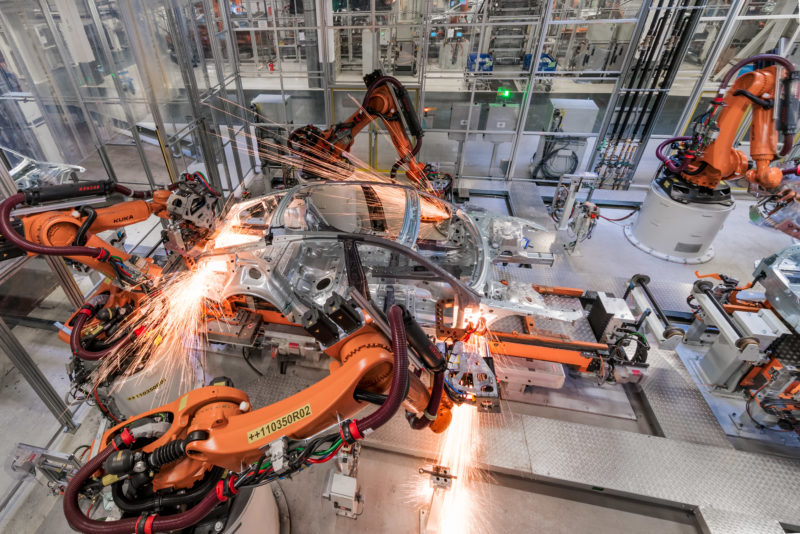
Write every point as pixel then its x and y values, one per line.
pixel 167 453
pixel 429 416
pixel 91 216
pixel 127 191
pixel 399 386
pixel 549 174
pixel 160 502
pixel 788 143
pixel 75 339
pixel 20 242
pixel 78 520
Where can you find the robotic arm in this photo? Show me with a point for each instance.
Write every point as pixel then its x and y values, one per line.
pixel 189 206
pixel 386 98
pixel 71 233
pixel 186 445
pixel 708 157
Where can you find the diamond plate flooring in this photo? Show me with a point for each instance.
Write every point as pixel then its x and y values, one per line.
pixel 653 468
pixel 714 521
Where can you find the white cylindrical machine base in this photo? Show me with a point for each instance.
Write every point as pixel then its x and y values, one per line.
pixel 674 231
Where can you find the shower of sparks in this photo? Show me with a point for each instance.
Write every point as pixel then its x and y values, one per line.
pixel 321 163
pixel 168 326
pixel 457 509
pixel 459 504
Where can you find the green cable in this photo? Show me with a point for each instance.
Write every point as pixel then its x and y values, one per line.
pixel 325 453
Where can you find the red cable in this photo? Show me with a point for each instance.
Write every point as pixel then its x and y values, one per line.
pixel 621 218
pixel 103 408
pixel 326 458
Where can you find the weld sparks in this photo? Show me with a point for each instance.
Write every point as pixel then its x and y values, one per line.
pixel 168 325
pixel 458 453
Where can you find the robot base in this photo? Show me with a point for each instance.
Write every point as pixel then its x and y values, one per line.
pixel 254 510
pixel 675 231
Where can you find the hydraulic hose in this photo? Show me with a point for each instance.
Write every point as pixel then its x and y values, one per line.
pixel 82 317
pixel 399 385
pixel 782 61
pixel 20 242
pixel 148 524
pixel 127 191
pixel 791 170
pixel 429 416
pixel 91 216
pixel 666 160
pixel 788 143
pixel 60 192
pixel 159 502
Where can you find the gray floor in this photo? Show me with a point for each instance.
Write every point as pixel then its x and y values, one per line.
pixel 511 505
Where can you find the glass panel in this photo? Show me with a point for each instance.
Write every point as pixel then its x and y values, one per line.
pixel 595 9
pixel 526 156
pixel 307 107
pixel 768 7
pixel 485 159
pixel 450 49
pixel 349 46
pixel 401 57
pixel 351 13
pixel 34 65
pixel 448 110
pixel 701 45
pixel 717 8
pixel 515 11
pixel 511 47
pixel 598 47
pixel 440 149
pixel 572 112
pixel 751 37
pixel 670 114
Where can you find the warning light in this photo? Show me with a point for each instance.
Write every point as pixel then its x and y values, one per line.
pixel 503 92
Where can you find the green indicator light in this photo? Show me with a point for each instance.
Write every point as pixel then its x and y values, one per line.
pixel 503 93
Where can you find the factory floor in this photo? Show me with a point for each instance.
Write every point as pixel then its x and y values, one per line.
pixel 508 504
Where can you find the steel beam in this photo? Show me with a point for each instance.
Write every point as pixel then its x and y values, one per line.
pixel 34 376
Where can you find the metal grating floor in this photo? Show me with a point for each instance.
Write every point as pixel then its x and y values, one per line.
pixel 737 491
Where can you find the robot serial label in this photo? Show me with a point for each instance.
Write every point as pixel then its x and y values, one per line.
pixel 282 422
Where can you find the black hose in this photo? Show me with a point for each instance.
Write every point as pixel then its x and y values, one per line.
pixel 81 318
pixel 8 231
pixel 167 453
pixel 646 58
pixel 249 363
pixel 91 216
pixel 429 416
pixel 547 172
pixel 399 386
pixel 159 502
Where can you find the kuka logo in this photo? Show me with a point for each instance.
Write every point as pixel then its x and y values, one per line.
pixel 122 219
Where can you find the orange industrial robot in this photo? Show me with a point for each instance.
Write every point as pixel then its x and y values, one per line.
pixel 189 206
pixel 703 160
pixel 389 100
pixel 175 464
